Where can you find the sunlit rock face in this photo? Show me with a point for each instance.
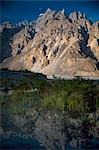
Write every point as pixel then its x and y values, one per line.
pixel 54 44
pixel 93 41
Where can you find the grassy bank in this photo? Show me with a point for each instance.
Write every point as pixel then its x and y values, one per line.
pixel 76 97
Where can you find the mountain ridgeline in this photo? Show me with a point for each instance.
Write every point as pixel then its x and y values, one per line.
pixel 54 44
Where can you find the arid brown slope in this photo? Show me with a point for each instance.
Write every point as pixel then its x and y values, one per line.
pixel 56 44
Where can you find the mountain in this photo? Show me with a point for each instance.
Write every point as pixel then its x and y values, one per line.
pixel 54 44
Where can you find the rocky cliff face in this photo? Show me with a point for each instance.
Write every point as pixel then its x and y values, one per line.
pixel 54 44
pixel 93 41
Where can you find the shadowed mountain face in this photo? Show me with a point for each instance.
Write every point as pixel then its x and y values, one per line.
pixel 53 44
pixel 7 31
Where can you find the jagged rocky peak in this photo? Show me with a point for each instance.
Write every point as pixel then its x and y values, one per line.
pixel 60 15
pixel 95 29
pixel 6 25
pixel 77 16
pixel 55 44
pixel 44 18
pixel 49 11
pixel 26 23
pixel 49 16
pixel 93 41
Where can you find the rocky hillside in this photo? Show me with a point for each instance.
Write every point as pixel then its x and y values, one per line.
pixel 54 44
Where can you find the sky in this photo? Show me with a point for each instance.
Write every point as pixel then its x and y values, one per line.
pixel 16 11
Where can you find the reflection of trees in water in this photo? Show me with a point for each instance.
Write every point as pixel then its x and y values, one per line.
pixel 90 101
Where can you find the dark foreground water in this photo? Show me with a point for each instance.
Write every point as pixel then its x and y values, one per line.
pixel 19 143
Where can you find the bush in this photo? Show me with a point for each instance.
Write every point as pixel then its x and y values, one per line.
pixel 22 100
pixel 75 102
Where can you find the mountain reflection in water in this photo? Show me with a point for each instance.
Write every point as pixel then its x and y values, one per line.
pixel 47 130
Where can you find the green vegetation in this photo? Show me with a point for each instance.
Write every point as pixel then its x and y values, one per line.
pixel 21 101
pixel 76 96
